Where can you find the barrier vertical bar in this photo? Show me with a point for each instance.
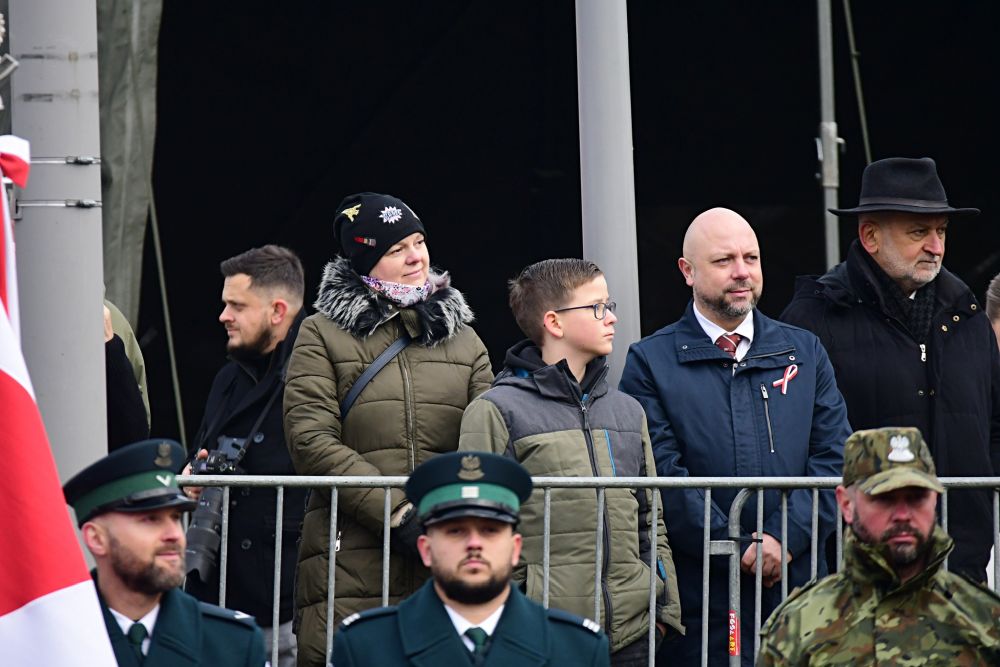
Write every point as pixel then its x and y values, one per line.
pixel 735 623
pixel 840 539
pixel 996 540
pixel 386 512
pixel 224 548
pixel 331 574
pixel 944 520
pixel 705 569
pixel 546 544
pixel 758 576
pixel 814 538
pixel 279 523
pixel 652 576
pixel 784 544
pixel 599 554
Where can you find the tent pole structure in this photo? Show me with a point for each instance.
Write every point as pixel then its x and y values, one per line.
pixel 607 179
pixel 829 142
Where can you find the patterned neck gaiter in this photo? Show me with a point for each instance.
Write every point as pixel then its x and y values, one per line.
pixel 400 294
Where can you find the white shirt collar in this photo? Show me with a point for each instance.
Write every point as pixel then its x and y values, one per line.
pixel 713 330
pixel 149 620
pixel 489 624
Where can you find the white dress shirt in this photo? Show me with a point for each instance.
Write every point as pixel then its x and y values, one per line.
pixel 461 624
pixel 149 620
pixel 745 329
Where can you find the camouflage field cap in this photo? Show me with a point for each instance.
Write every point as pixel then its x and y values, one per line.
pixel 885 459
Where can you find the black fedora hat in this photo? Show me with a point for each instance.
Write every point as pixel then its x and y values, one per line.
pixel 903 184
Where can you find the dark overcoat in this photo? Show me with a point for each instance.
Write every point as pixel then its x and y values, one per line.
pixel 947 386
pixel 189 633
pixel 234 404
pixel 419 632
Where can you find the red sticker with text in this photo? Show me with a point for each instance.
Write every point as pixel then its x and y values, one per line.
pixel 734 633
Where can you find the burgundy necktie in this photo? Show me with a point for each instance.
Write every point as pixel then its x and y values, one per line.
pixel 728 343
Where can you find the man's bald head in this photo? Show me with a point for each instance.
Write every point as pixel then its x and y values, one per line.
pixel 713 224
pixel 721 264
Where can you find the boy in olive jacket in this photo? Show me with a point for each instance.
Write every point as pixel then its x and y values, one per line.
pixel 552 410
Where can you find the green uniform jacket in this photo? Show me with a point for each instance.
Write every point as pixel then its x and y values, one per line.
pixel 864 616
pixel 420 632
pixel 408 413
pixel 190 633
pixel 536 414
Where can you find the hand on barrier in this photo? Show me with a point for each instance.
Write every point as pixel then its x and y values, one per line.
pixel 771 555
pixel 194 492
pixel 404 531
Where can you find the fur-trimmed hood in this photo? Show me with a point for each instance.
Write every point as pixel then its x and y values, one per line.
pixel 350 304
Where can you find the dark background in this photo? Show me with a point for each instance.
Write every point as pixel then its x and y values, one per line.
pixel 468 112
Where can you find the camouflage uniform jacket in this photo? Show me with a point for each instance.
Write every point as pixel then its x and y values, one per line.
pixel 864 616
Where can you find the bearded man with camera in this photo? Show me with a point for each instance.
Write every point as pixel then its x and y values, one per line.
pixel 242 433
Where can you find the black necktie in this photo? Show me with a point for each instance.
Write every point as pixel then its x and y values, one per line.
pixel 136 635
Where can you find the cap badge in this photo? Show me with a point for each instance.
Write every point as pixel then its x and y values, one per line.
pixel 391 214
pixel 352 212
pixel 163 455
pixel 163 479
pixel 900 449
pixel 470 469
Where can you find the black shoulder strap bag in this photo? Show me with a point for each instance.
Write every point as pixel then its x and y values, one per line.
pixel 378 364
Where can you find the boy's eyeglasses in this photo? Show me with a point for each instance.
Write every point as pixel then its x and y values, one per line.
pixel 600 309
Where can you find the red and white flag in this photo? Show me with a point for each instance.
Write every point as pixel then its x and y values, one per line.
pixel 49 612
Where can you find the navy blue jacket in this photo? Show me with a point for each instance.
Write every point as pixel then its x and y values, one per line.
pixel 707 421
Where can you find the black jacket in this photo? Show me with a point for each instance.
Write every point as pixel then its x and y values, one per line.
pixel 947 386
pixel 234 404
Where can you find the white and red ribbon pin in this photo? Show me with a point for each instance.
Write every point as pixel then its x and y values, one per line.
pixel 790 372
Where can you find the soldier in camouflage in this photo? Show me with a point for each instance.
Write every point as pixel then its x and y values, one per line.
pixel 892 603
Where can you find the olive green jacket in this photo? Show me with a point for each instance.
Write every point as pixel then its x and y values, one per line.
pixel 538 415
pixel 865 616
pixel 409 412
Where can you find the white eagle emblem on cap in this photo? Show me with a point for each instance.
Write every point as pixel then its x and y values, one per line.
pixel 470 469
pixel 900 453
pixel 391 214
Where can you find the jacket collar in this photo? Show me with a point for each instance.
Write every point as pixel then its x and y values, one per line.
pixel 866 565
pixel 524 367
pixel 356 308
pixel 693 344
pixel 853 281
pixel 429 638
pixel 176 636
pixel 281 352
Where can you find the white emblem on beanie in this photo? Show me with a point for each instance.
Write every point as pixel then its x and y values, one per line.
pixel 900 449
pixel 391 214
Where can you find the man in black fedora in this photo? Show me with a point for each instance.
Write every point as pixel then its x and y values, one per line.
pixel 909 343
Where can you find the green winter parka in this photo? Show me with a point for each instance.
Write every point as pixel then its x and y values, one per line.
pixel 410 411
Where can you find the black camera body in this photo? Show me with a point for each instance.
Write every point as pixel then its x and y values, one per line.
pixel 224 459
pixel 204 535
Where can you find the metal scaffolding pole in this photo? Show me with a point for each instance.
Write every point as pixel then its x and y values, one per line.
pixel 828 141
pixel 59 258
pixel 606 172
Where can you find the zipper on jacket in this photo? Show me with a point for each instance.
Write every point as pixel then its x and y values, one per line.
pixel 605 563
pixel 923 352
pixel 408 395
pixel 767 417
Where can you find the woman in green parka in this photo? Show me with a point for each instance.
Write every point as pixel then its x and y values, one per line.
pixel 381 287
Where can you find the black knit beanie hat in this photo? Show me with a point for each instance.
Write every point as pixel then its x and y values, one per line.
pixel 368 224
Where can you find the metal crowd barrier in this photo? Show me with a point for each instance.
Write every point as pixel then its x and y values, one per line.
pixel 749 487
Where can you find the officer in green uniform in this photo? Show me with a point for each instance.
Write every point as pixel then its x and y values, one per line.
pixel 892 603
pixel 129 509
pixel 469 613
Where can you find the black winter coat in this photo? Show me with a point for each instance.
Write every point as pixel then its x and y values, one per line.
pixel 947 386
pixel 234 405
